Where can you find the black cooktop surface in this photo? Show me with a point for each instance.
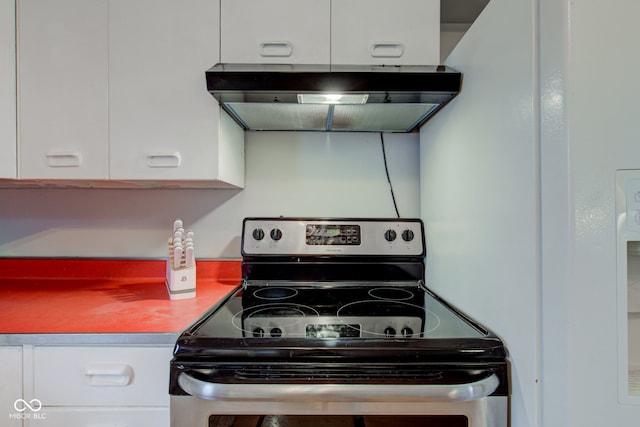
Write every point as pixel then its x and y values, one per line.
pixel 384 311
pixel 338 320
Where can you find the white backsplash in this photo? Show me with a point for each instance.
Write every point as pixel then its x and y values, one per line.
pixel 287 173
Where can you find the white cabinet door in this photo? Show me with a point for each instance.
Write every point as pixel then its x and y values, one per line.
pixel 275 31
pixel 62 89
pixel 102 376
pixel 7 89
pixel 11 386
pixel 398 32
pixel 164 125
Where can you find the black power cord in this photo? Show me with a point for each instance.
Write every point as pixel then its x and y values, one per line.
pixel 386 169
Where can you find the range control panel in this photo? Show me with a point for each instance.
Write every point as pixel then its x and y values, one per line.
pixel 289 236
pixel 330 327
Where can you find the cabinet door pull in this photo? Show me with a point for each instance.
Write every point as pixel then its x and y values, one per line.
pixel 109 374
pixel 386 50
pixel 71 159
pixel 276 49
pixel 164 160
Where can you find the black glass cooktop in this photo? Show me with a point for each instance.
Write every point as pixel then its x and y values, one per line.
pixel 336 322
pixel 338 311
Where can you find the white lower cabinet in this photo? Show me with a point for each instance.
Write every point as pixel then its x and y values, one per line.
pixel 100 386
pixel 11 386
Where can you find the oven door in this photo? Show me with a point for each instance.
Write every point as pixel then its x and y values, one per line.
pixel 437 404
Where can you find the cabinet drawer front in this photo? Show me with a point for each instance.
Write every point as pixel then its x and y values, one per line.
pixel 83 376
pixel 275 31
pixel 100 417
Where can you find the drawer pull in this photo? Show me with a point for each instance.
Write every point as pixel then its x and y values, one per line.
pixel 64 159
pixel 276 49
pixel 164 160
pixel 109 374
pixel 386 50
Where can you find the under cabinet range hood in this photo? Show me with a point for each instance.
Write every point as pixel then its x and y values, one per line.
pixel 270 97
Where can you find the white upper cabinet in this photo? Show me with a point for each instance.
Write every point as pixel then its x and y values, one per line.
pixel 343 32
pixel 7 89
pixel 63 89
pixel 385 32
pixel 275 31
pixel 163 122
pixel 114 90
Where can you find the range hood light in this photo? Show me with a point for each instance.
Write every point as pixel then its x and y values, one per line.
pixel 332 98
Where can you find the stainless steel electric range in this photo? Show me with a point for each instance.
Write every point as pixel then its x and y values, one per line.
pixel 333 325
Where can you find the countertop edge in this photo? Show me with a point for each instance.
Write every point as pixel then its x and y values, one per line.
pixel 123 339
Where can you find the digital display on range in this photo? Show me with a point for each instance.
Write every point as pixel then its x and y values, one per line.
pixel 332 234
pixel 333 331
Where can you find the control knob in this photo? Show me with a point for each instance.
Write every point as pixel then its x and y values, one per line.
pixel 276 332
pixel 390 235
pixel 407 235
pixel 276 234
pixel 258 332
pixel 406 332
pixel 258 234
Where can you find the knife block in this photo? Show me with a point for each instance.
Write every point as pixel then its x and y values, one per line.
pixel 181 282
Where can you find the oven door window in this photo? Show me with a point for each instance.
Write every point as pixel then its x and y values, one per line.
pixel 338 421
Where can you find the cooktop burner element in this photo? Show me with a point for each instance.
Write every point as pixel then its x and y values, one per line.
pixel 393 294
pixel 274 294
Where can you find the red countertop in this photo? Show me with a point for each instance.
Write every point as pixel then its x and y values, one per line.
pixel 104 296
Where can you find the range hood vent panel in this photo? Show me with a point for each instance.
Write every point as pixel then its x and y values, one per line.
pixel 279 116
pixel 379 117
pixel 265 97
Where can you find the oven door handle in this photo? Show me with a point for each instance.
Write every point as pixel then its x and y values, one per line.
pixel 340 392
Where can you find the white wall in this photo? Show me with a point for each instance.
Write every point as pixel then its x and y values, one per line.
pixel 549 110
pixel 290 174
pixel 450 35
pixel 479 187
